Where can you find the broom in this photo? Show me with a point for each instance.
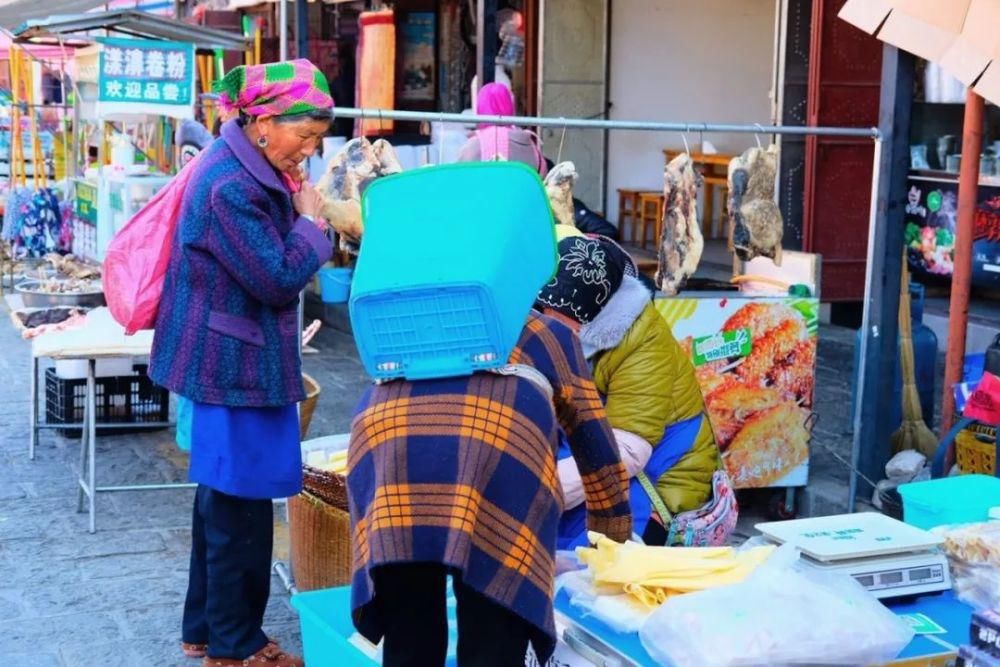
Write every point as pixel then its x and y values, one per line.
pixel 913 433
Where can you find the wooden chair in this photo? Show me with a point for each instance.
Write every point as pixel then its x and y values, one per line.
pixel 628 209
pixel 650 215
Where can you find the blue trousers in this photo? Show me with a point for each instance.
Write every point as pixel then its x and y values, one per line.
pixel 230 576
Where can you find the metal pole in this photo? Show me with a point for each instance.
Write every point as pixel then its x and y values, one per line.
pixel 870 332
pixel 600 124
pixel 283 30
pixel 301 29
pixel 878 349
pixel 961 279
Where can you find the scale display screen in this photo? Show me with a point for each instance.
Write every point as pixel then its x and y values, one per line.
pixel 887 579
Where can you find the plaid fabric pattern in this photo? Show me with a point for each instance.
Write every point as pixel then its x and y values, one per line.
pixel 462 471
pixel 275 89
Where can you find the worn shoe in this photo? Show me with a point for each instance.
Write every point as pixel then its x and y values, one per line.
pixel 269 656
pixel 201 650
pixel 194 650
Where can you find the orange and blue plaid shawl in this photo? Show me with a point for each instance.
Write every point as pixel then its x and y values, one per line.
pixel 462 472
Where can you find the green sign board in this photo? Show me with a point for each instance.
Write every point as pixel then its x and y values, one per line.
pixel 723 345
pixel 86 203
pixel 145 72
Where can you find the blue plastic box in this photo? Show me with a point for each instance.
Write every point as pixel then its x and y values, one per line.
pixel 451 263
pixel 325 617
pixel 951 500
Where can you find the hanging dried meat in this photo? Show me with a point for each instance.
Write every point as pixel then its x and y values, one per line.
pixel 681 244
pixel 559 187
pixel 755 224
pixel 356 164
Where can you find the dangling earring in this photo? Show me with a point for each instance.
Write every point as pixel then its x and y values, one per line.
pixel 262 141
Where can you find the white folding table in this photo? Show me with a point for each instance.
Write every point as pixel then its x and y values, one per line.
pixel 99 338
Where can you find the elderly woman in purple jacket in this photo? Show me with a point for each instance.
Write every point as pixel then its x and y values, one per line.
pixel 226 340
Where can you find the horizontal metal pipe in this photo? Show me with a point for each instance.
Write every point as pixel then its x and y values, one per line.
pixel 146 487
pixel 101 425
pixel 596 124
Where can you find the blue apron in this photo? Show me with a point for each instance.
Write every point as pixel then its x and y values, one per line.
pixel 678 439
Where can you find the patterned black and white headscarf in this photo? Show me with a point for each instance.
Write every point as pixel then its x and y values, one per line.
pixel 590 271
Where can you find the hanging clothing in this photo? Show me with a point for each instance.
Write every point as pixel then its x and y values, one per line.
pixel 501 142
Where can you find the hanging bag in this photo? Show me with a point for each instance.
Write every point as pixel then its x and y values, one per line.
pixel 137 258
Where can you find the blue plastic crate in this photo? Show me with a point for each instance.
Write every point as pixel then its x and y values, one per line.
pixel 950 500
pixel 451 263
pixel 328 635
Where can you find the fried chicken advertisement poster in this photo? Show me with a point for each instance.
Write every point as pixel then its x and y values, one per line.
pixel 755 360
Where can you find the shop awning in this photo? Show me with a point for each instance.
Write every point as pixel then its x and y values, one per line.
pixel 15 12
pixel 959 35
pixel 131 23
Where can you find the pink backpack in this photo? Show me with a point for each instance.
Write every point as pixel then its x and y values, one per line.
pixel 137 258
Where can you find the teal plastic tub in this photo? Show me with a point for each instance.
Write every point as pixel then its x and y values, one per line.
pixel 451 263
pixel 951 500
pixel 335 284
pixel 325 617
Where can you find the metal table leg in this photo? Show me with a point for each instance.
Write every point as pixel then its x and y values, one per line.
pixel 33 435
pixel 91 422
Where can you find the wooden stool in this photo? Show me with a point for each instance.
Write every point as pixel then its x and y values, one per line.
pixel 628 210
pixel 650 214
pixel 707 217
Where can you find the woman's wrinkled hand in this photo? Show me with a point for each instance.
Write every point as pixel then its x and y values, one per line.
pixel 308 200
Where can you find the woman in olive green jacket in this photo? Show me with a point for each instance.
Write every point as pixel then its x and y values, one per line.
pixel 648 382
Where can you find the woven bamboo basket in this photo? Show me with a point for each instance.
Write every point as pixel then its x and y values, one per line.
pixel 976 449
pixel 320 543
pixel 308 405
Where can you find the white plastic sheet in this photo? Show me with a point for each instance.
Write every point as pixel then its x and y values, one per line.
pixel 784 614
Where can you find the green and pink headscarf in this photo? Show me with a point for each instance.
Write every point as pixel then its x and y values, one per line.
pixel 275 89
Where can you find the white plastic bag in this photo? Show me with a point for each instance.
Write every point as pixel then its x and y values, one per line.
pixel 784 614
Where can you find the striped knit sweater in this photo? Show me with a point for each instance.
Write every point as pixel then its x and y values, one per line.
pixel 227 326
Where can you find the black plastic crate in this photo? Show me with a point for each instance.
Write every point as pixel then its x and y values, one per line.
pixel 121 399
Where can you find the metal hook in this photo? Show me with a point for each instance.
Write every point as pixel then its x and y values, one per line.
pixel 687 149
pixel 757 136
pixel 562 140
pixel 381 129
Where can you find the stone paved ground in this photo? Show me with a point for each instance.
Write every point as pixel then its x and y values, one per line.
pixel 71 599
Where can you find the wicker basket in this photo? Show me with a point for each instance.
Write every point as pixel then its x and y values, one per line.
pixel 329 487
pixel 320 543
pixel 308 405
pixel 976 449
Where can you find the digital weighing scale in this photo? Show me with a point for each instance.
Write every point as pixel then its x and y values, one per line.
pixel 888 557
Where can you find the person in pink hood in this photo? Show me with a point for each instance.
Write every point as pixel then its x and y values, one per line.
pixel 501 142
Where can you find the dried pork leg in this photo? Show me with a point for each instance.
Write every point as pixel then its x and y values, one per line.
pixel 755 224
pixel 351 170
pixel 559 187
pixel 387 160
pixel 681 244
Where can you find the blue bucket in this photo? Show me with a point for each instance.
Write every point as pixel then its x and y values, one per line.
pixel 335 284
